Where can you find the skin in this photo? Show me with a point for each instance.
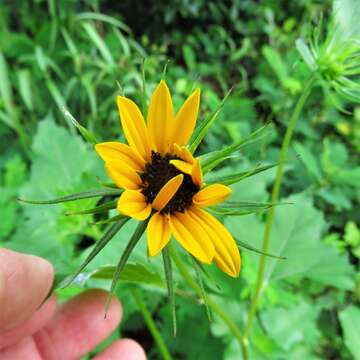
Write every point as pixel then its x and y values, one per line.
pixel 31 331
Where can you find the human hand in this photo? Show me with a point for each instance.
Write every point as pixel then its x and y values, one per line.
pixel 53 331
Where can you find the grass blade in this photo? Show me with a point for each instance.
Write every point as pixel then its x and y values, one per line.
pixel 98 42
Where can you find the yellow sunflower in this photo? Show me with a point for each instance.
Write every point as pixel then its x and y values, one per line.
pixel 162 179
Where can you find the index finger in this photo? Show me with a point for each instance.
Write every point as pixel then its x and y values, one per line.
pixel 25 280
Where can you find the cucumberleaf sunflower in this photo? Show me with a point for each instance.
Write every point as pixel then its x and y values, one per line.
pixel 161 179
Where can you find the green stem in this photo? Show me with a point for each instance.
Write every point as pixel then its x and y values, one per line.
pixel 213 305
pixel 151 324
pixel 274 198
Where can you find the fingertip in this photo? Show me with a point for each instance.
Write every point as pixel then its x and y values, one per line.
pixel 98 298
pixel 124 349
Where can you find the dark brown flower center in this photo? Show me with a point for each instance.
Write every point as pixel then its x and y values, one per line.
pixel 157 173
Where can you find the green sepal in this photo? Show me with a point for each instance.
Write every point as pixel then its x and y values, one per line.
pixel 86 134
pixel 204 126
pixel 306 54
pixel 98 247
pixel 210 160
pixel 235 178
pixel 251 248
pixel 97 209
pixel 124 258
pixel 76 196
pixel 170 285
pixel 238 208
pixel 111 220
pixel 132 273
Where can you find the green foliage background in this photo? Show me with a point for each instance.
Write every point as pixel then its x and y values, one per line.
pixel 80 55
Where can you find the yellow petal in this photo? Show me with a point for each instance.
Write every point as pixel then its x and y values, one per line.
pixel 196 175
pixel 185 119
pixel 183 166
pixel 183 153
pixel 124 176
pixel 167 192
pixel 227 256
pixel 117 152
pixel 190 235
pixel 133 203
pixel 158 233
pixel 134 127
pixel 211 195
pixel 160 118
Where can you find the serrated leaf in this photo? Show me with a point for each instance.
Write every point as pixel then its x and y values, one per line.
pixel 296 234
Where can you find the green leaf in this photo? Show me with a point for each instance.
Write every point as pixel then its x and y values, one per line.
pixel 98 247
pixel 124 258
pixel 205 125
pixel 78 196
pixel 61 164
pixel 295 324
pixel 170 286
pixel 350 323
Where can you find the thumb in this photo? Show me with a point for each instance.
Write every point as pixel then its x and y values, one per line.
pixel 25 280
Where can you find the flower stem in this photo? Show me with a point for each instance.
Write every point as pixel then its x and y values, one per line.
pixel 274 198
pixel 165 354
pixel 213 305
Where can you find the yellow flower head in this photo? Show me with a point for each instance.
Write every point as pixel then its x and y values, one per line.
pixel 162 179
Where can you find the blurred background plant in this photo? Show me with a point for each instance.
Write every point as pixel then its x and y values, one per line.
pixel 80 55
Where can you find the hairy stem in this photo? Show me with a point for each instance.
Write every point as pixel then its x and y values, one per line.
pixel 213 305
pixel 274 198
pixel 165 354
